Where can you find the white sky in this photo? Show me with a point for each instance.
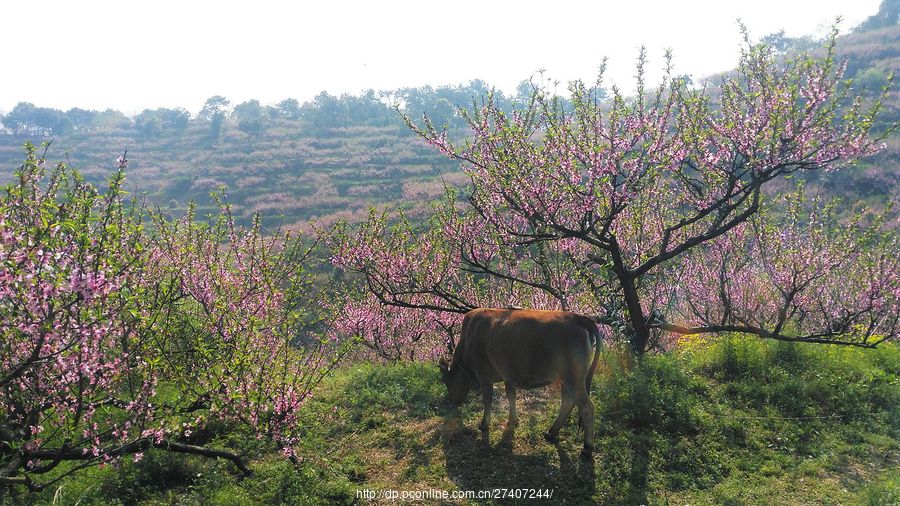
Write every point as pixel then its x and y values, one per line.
pixel 131 55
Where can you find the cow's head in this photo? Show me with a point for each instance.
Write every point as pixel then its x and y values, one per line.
pixel 457 381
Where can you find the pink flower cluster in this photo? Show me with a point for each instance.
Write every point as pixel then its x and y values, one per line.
pixel 646 210
pixel 98 316
pixel 67 347
pixel 233 285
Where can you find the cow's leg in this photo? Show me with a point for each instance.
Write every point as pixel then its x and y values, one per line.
pixel 487 395
pixel 511 398
pixel 565 408
pixel 586 410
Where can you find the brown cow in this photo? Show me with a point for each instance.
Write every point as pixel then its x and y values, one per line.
pixel 526 349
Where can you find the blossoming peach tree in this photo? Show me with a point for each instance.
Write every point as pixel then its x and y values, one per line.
pixel 653 213
pixel 122 333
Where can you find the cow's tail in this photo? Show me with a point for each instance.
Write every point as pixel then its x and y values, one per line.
pixel 597 341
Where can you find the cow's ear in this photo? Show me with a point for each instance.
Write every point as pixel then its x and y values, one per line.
pixel 444 364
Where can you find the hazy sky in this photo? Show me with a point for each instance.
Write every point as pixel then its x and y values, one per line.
pixel 130 55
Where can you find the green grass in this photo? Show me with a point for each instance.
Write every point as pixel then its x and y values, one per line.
pixel 737 421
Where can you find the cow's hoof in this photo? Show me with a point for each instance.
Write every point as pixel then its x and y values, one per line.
pixel 483 427
pixel 587 453
pixel 551 438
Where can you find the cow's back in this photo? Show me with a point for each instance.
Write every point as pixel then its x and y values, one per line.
pixel 527 348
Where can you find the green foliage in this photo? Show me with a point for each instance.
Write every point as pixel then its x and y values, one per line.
pixel 162 122
pixel 783 44
pixel 251 116
pixel 741 421
pixel 215 109
pixel 799 381
pixel 161 478
pixel 882 492
pixel 410 388
pixel 870 79
pixel 288 108
pixel 888 15
pixel 26 118
pixel 657 393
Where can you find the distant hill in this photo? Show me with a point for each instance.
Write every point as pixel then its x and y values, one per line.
pixel 286 171
pixel 334 157
pixel 872 55
pixel 328 159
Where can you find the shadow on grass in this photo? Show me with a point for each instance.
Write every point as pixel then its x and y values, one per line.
pixel 437 446
pixel 473 463
pixel 639 444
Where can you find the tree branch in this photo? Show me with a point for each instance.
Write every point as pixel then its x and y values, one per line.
pixel 133 447
pixel 750 329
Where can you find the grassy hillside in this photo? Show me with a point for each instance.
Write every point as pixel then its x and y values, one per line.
pixel 732 422
pixel 291 173
pixel 872 56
